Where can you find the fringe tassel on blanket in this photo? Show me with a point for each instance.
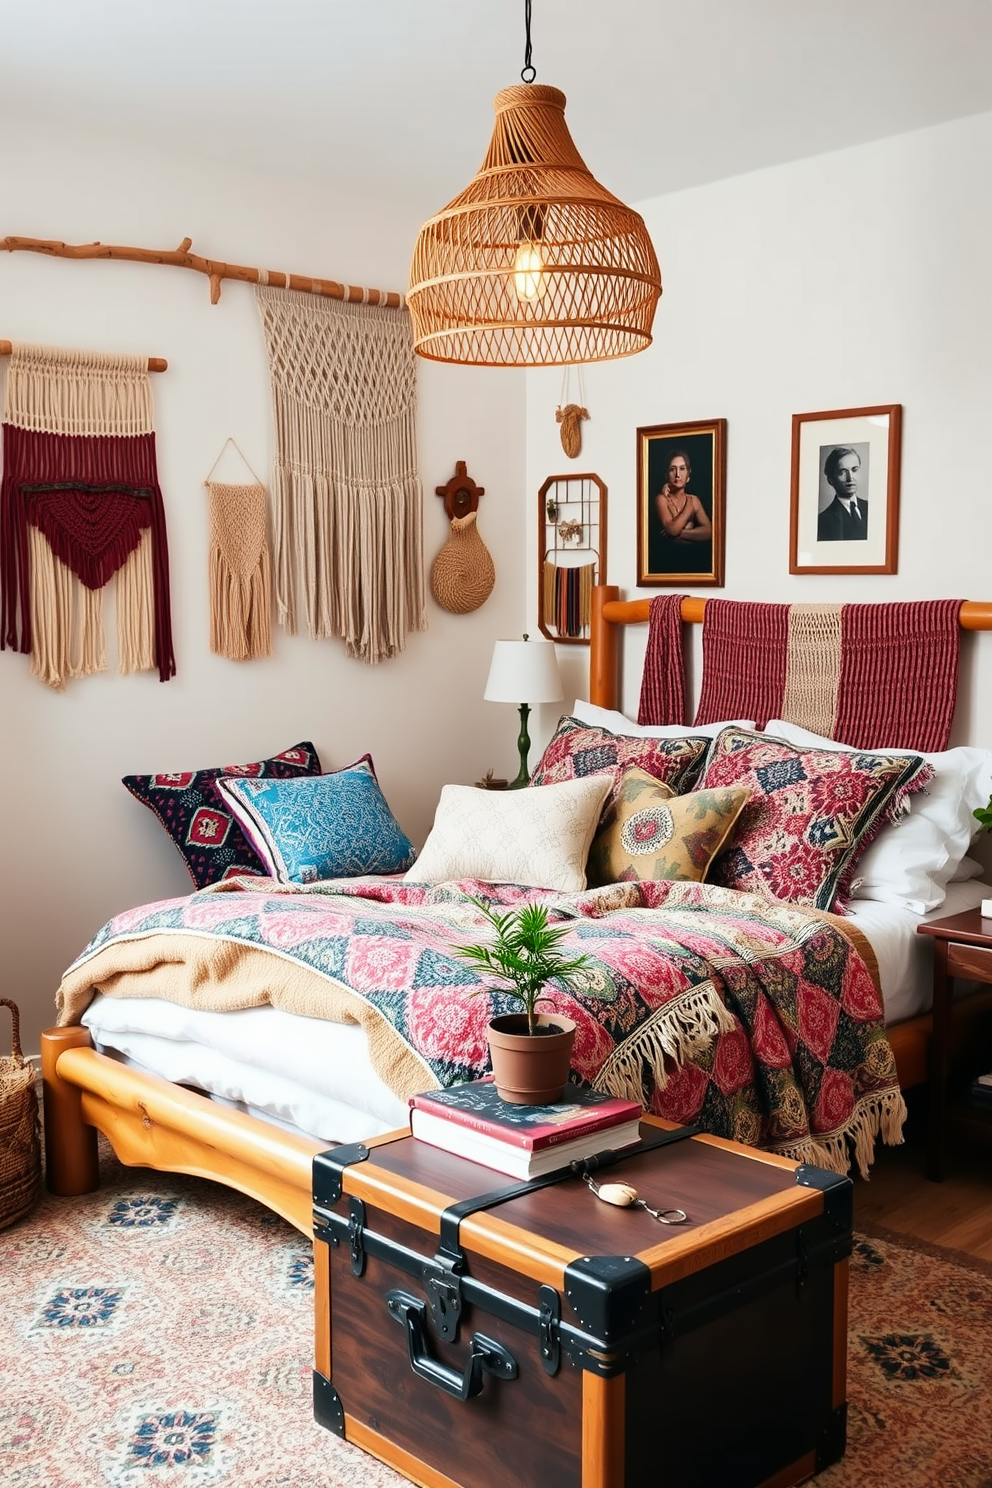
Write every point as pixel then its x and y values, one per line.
pixel 347 498
pixel 874 1116
pixel 240 572
pixel 80 505
pixel 684 1026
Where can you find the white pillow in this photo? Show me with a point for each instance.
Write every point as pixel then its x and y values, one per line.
pixel 618 723
pixel 913 859
pixel 538 837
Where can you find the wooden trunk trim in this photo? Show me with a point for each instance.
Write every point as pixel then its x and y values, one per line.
pixel 796 1472
pixel 322 1308
pixel 699 1248
pixel 404 1462
pixel 603 1427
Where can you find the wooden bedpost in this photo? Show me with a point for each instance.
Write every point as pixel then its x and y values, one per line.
pixel 71 1163
pixel 603 651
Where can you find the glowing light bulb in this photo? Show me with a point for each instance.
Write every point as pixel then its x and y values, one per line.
pixel 529 278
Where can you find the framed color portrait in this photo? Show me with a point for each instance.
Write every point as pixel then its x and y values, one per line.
pixel 845 491
pixel 680 503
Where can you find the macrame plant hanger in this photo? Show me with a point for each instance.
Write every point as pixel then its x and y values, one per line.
pixel 570 415
pixel 240 565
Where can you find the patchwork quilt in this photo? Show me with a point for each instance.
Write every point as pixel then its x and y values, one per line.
pixel 761 1022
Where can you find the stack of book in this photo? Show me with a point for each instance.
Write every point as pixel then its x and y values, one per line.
pixel 980 1092
pixel 524 1141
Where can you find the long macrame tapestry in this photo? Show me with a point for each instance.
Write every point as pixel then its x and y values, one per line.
pixel 240 572
pixel 347 500
pixel 80 503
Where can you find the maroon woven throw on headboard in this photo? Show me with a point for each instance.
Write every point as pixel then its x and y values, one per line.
pixel 663 678
pixel 875 675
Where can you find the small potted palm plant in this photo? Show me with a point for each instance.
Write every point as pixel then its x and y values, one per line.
pixel 530 1050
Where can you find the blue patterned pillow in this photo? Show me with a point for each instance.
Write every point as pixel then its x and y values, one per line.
pixel 320 826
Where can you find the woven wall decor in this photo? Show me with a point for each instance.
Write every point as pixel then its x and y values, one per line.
pixel 80 504
pixel 463 573
pixel 240 572
pixel 346 496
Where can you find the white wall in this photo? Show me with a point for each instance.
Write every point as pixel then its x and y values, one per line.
pixel 856 278
pixel 76 847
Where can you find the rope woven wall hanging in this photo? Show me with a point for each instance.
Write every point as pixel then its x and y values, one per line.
pixel 463 573
pixel 80 504
pixel 347 503
pixel 570 416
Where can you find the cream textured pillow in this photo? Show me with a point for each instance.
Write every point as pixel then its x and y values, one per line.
pixel 540 838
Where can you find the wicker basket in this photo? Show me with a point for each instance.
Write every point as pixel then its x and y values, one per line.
pixel 20 1147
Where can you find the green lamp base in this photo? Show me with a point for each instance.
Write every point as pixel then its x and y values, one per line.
pixel 523 744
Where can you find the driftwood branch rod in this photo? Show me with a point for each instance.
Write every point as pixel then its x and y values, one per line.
pixel 181 258
pixel 155 364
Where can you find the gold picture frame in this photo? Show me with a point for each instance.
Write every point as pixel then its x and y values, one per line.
pixel 681 500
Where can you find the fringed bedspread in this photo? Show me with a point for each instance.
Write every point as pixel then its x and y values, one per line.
pixel 760 1022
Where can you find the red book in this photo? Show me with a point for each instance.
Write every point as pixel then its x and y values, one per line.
pixel 477 1105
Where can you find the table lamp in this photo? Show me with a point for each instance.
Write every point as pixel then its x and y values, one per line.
pixel 525 670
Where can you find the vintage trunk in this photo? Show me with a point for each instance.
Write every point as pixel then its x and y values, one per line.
pixel 549 1340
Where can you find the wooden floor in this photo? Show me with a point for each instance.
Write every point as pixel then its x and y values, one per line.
pixel 956 1213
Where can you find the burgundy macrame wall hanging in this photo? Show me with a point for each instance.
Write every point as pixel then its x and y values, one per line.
pixel 80 503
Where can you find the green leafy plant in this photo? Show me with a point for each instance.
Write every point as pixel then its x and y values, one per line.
pixel 983 814
pixel 525 954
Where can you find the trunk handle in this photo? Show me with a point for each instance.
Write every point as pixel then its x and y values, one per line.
pixel 485 1354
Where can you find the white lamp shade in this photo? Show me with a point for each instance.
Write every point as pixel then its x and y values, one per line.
pixel 524 672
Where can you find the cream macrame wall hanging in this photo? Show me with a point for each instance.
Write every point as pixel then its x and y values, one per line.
pixel 346 496
pixel 240 566
pixel 80 504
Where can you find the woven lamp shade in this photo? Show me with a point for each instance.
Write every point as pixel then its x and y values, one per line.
pixel 588 284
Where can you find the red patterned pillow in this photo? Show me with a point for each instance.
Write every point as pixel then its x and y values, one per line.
pixel 811 814
pixel 578 749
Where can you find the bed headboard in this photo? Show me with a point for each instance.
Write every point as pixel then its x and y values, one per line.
pixel 610 614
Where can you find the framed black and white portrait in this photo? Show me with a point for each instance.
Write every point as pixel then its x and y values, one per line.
pixel 680 503
pixel 845 491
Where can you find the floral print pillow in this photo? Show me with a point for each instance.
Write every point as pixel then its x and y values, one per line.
pixel 811 813
pixel 577 750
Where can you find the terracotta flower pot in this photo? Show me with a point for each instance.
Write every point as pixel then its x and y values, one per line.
pixel 530 1069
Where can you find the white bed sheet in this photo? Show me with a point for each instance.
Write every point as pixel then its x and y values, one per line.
pixel 316 1077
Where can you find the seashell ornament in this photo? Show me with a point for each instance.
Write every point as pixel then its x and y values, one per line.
pixel 620 1194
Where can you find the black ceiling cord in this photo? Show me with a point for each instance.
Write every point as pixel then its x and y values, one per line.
pixel 528 66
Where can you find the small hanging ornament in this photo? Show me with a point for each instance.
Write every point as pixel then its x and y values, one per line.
pixel 570 416
pixel 463 573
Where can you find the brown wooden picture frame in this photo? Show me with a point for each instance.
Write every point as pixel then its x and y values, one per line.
pixel 845 491
pixel 664 556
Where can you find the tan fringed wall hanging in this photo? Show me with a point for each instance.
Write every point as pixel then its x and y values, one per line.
pixel 240 567
pixel 347 502
pixel 80 503
pixel 570 416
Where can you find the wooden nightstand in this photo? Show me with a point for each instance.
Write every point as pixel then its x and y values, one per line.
pixel 962 947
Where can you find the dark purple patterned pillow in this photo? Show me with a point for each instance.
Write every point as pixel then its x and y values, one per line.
pixel 197 818
pixel 579 749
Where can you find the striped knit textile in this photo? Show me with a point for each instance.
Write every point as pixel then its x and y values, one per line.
pixel 663 680
pixel 891 680
pixel 903 659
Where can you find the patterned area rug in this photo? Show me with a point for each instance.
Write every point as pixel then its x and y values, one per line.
pixel 158 1332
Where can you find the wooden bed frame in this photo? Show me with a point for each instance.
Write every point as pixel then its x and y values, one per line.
pixel 153 1123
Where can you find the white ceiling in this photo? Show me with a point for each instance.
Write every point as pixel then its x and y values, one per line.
pixel 393 98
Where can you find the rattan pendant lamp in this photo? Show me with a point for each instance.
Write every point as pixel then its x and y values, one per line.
pixel 534 264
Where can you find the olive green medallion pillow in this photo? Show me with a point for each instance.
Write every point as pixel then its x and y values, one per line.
pixel 647 832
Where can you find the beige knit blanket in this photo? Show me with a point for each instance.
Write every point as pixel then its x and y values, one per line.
pixel 221 976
